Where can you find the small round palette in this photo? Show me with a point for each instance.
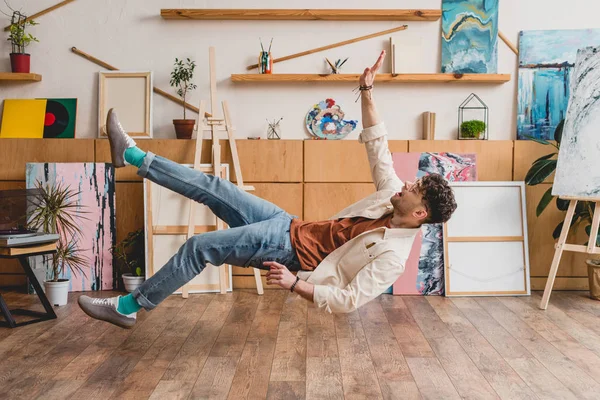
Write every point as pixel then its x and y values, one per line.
pixel 325 120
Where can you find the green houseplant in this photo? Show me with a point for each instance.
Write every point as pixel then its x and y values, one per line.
pixel 19 40
pixel 473 129
pixel 130 257
pixel 181 78
pixel 541 169
pixel 56 211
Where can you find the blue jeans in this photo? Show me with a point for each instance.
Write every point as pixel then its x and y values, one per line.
pixel 259 230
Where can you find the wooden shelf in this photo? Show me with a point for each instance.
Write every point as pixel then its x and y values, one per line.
pixel 11 76
pixel 398 78
pixel 302 14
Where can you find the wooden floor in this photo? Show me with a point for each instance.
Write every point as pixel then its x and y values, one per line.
pixel 277 346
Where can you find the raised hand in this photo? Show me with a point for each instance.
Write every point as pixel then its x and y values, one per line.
pixel 368 76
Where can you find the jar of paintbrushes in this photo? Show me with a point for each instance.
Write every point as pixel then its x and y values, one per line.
pixel 265 60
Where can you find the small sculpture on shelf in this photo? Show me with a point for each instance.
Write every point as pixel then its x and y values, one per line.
pixel 274 130
pixel 473 119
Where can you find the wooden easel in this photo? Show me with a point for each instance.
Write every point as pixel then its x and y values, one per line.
pixel 214 125
pixel 562 244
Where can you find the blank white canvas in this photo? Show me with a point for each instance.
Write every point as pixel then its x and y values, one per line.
pixel 170 208
pixel 486 267
pixel 486 211
pixel 578 168
pixel 492 211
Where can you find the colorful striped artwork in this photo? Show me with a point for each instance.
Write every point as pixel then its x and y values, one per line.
pixel 470 36
pixel 424 269
pixel 96 184
pixel 546 60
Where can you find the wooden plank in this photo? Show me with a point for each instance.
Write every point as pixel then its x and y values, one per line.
pixel 505 381
pixel 172 390
pixel 17 251
pixel 432 381
pixel 543 383
pixel 575 379
pixel 358 373
pixel 35 16
pixel 251 378
pixel 286 390
pixel 333 45
pixel 15 153
pixel 380 78
pixel 181 229
pixel 321 335
pixel 303 14
pixel 581 356
pixel 267 160
pixel 323 378
pixel 392 370
pixel 408 334
pixel 129 208
pixel 20 76
pixel 494 157
pixel 350 163
pixel 289 361
pixel 526 152
pixel 188 363
pixel 248 282
pixel 8 265
pixel 464 374
pixel 323 200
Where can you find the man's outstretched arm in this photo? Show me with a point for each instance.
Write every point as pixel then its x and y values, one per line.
pixel 374 134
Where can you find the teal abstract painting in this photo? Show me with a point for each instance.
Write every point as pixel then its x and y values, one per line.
pixel 546 61
pixel 470 36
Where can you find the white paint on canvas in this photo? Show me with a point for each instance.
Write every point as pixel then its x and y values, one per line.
pixel 578 169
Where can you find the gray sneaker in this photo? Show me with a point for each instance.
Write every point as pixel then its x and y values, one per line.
pixel 106 310
pixel 118 138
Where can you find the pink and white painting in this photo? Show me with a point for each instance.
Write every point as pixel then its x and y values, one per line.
pixel 424 269
pixel 96 184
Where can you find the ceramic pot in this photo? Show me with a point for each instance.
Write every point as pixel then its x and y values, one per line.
pixel 132 282
pixel 20 62
pixel 184 128
pixel 57 292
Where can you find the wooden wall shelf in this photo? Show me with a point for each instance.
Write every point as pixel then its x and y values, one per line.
pixel 10 76
pixel 398 78
pixel 302 14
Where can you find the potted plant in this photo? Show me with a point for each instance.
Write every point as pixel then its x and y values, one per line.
pixel 19 40
pixel 181 79
pixel 473 129
pixel 56 211
pixel 542 168
pixel 130 256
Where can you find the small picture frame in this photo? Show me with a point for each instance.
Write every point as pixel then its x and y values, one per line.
pixel 130 94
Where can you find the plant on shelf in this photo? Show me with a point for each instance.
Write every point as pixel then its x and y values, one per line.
pixel 541 169
pixel 130 258
pixel 56 211
pixel 19 40
pixel 472 129
pixel 181 78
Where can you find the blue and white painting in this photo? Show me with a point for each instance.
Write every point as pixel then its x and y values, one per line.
pixel 577 172
pixel 546 60
pixel 470 36
pixel 325 120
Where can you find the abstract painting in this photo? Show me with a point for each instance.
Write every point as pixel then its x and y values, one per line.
pixel 546 60
pixel 39 118
pixel 23 118
pixel 95 183
pixel 577 172
pixel 424 269
pixel 470 36
pixel 325 120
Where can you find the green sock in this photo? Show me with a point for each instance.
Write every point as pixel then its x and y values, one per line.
pixel 134 156
pixel 128 305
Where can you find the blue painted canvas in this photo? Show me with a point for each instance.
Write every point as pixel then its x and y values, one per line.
pixel 546 60
pixel 470 36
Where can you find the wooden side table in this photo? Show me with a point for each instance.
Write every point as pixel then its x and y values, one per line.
pixel 22 254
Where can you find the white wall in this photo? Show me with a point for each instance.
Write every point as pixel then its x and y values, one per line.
pixel 131 35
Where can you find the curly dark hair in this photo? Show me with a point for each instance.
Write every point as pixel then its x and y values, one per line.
pixel 438 198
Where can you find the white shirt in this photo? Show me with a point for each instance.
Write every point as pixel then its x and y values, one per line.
pixel 366 266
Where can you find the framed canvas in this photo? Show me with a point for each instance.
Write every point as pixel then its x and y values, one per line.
pixel 485 242
pixel 130 94
pixel 166 219
pixel 424 268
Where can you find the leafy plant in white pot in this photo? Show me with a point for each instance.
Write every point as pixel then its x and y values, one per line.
pixel 130 257
pixel 56 211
